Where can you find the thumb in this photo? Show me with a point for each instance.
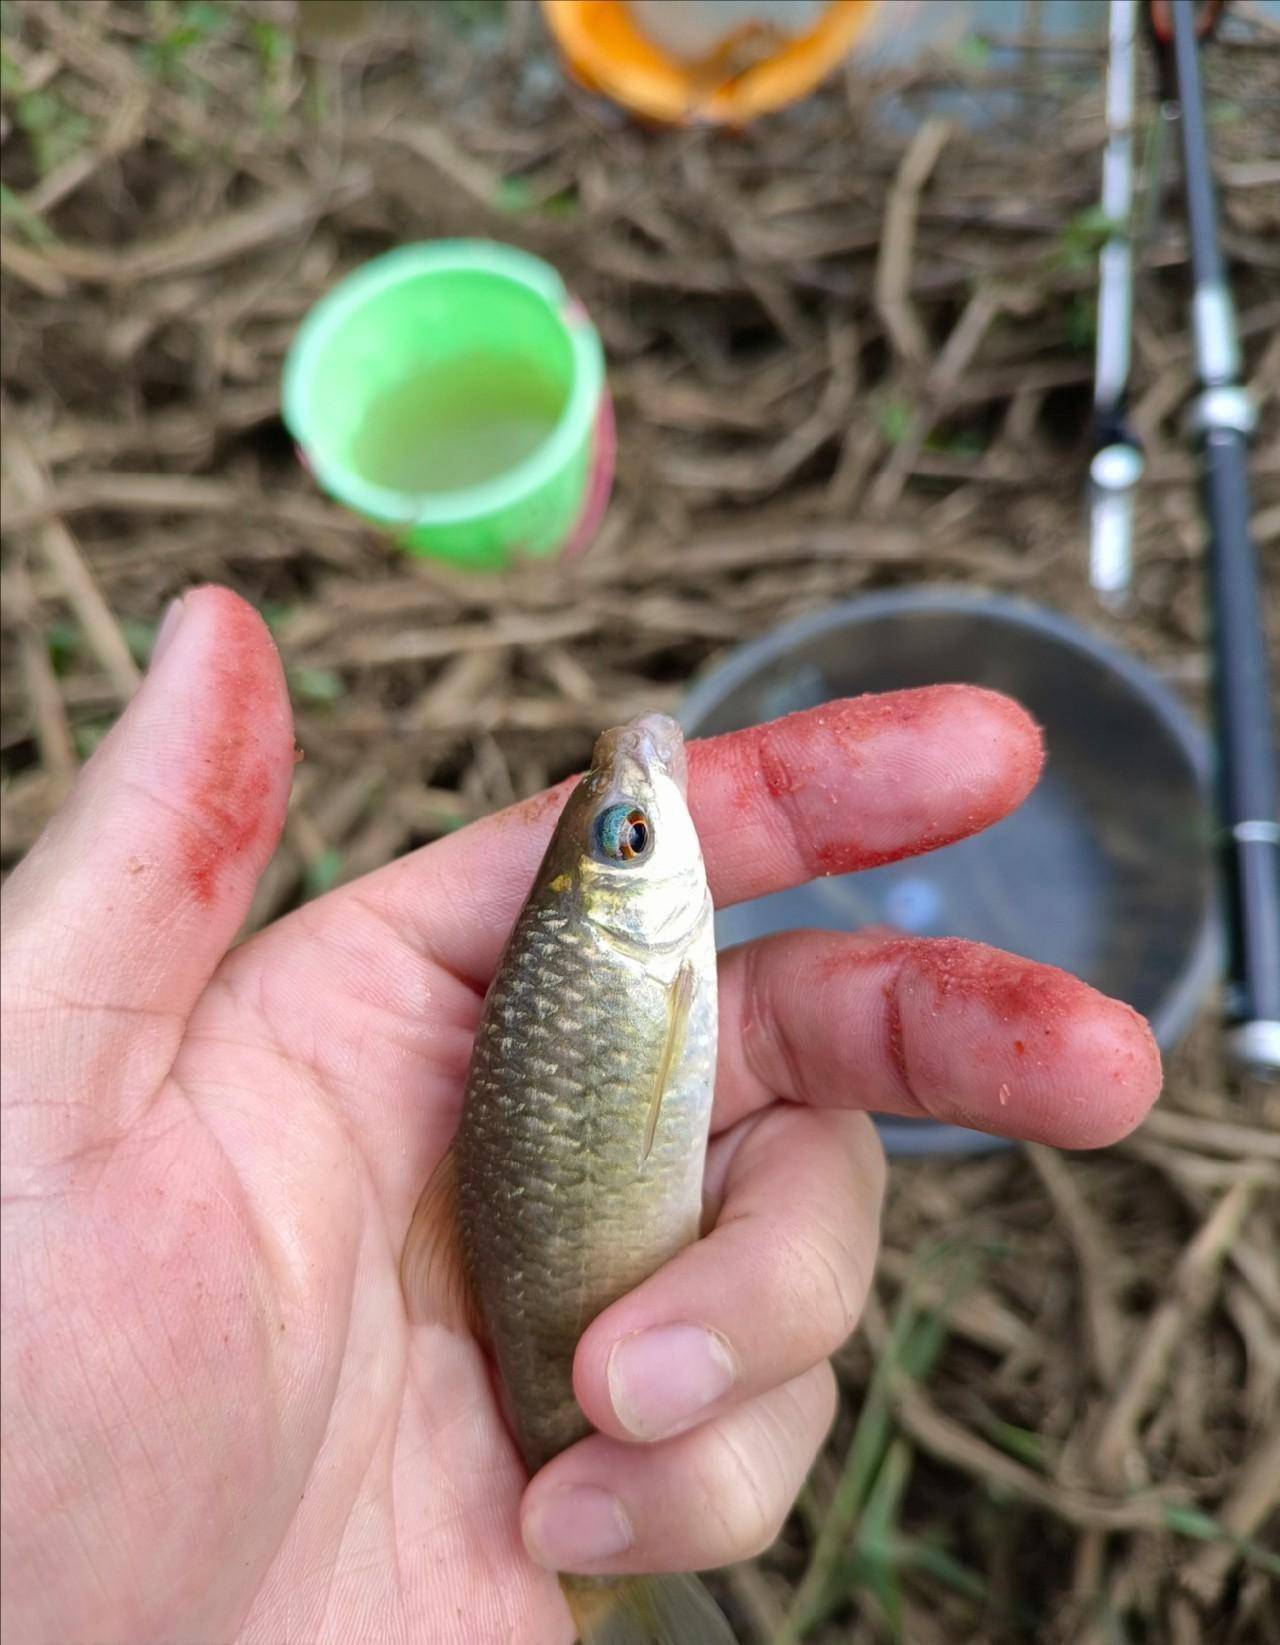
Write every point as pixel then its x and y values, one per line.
pixel 117 917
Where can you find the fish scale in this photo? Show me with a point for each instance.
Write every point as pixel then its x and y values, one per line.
pixel 591 1220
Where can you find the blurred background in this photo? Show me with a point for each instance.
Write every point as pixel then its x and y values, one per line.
pixel 850 350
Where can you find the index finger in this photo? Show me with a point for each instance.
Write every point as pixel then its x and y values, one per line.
pixel 851 784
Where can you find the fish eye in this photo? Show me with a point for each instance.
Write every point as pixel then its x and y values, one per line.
pixel 623 833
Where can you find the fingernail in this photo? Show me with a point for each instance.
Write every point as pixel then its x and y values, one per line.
pixel 577 1527
pixel 169 626
pixel 661 1380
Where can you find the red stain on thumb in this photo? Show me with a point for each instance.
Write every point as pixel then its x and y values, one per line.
pixel 234 802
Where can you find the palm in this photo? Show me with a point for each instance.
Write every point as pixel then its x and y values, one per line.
pixel 282 1161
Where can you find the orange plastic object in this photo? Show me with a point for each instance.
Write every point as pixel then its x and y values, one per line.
pixel 607 53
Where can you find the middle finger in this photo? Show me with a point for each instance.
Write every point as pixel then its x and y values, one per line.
pixel 857 782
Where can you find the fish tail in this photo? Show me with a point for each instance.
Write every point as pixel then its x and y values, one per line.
pixel 645 1610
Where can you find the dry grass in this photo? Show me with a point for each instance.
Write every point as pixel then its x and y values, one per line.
pixel 842 359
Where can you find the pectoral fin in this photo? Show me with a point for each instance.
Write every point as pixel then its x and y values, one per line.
pixel 433 1275
pixel 679 1005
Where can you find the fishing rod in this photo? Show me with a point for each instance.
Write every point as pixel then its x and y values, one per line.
pixel 1221 422
pixel 1117 463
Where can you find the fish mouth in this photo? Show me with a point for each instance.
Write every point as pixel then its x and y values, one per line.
pixel 649 741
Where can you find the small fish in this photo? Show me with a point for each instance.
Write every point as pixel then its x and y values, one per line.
pixel 577 1167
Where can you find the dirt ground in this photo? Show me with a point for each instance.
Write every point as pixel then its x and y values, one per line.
pixel 847 353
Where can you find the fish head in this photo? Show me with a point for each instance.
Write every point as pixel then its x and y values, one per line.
pixel 626 846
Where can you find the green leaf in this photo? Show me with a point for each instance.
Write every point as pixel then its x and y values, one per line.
pixel 1194 1522
pixel 139 637
pixel 929 1558
pixel 1082 238
pixel 272 44
pixel 516 194
pixel 886 1494
pixel 15 212
pixel 916 1339
pixel 1187 1520
pixel 448 822
pixel 198 22
pixel 56 131
pixel 1021 1443
pixel 206 19
pixel 62 641
pixel 960 442
pixel 37 111
pixel 564 204
pixel 974 51
pixel 1082 322
pixel 875 1528
pixel 893 417
pixel 274 613
pixel 318 685
pixel 810 1511
pixel 512 194
pixel 11 81
pixel 1092 221
pixel 322 874
pixel 477 15
pixel 1114 1628
pixel 87 736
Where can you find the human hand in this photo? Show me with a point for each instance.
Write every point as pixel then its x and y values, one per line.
pixel 220 1420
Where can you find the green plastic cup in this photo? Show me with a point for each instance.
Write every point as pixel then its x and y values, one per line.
pixel 453 393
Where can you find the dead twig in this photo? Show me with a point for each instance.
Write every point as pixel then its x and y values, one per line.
pixel 951 1442
pixel 275 218
pixel 897 244
pixel 764 1611
pixel 123 129
pixel 101 629
pixel 958 353
pixel 1251 1501
pixel 53 735
pixel 1096 1265
pixel 1262 1352
pixel 1191 1287
pixel 977 1314
pixel 1212 1136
